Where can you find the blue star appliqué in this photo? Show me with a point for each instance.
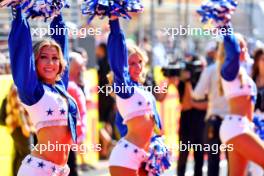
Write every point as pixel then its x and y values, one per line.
pixel 29 160
pixel 139 103
pixel 49 112
pixel 62 111
pixel 126 145
pixel 41 164
pixel 62 171
pixel 53 169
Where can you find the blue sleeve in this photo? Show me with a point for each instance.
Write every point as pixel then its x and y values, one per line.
pixel 120 126
pixel 230 67
pixel 22 60
pixel 61 37
pixel 118 60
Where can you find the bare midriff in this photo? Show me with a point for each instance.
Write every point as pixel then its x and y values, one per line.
pixel 242 105
pixel 60 136
pixel 140 130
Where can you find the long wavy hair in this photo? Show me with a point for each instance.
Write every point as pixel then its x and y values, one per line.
pixel 50 43
pixel 133 49
pixel 257 55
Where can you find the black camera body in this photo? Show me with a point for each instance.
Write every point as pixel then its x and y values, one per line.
pixel 172 70
pixel 176 68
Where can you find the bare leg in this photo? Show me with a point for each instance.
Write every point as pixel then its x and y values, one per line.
pixel 236 164
pixel 121 171
pixel 246 147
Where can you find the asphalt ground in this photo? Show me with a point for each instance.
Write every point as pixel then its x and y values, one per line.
pixel 102 169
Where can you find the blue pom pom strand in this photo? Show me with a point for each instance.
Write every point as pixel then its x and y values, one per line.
pixel 220 11
pixel 103 8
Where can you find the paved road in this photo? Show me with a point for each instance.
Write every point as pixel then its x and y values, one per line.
pixel 103 171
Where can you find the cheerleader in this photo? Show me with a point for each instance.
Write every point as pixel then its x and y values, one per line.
pixel 258 77
pixel 41 77
pixel 135 105
pixel 240 91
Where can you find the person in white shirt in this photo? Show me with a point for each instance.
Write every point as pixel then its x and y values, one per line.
pixel 217 108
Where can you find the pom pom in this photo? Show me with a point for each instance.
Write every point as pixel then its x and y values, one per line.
pixel 258 120
pixel 38 8
pixel 159 159
pixel 104 8
pixel 220 11
pixel 46 8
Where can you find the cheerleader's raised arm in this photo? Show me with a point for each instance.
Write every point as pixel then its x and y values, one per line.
pixel 60 35
pixel 118 59
pixel 230 67
pixel 22 60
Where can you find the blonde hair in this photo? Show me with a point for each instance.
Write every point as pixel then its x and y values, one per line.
pixel 221 54
pixel 220 61
pixel 135 50
pixel 51 43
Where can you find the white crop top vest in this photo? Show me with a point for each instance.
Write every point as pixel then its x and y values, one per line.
pixel 50 110
pixel 235 88
pixel 140 103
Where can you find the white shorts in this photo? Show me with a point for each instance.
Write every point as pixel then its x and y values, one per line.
pixel 32 166
pixel 125 154
pixel 234 125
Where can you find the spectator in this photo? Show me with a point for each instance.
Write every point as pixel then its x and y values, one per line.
pixel 159 52
pixel 3 64
pixel 107 107
pixel 76 69
pixel 191 121
pixel 217 108
pixel 258 77
pixel 80 81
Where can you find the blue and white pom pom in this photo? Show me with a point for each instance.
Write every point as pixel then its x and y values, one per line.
pixel 220 11
pixel 107 8
pixel 38 8
pixel 46 8
pixel 160 156
pixel 259 125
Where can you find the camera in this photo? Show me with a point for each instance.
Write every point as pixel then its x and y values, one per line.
pixel 175 68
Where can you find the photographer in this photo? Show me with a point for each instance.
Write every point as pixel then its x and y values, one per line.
pixel 184 76
pixel 217 108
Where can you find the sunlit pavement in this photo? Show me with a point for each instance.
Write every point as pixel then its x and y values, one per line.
pixel 102 169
